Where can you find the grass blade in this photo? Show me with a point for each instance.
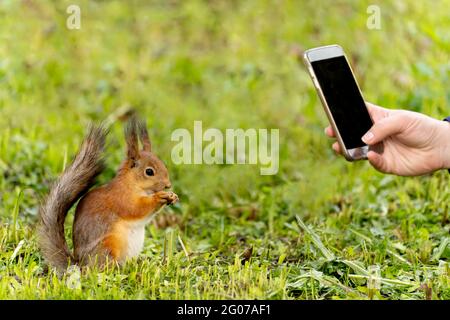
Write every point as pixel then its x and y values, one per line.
pixel 316 240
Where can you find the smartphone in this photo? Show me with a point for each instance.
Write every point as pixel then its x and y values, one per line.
pixel 341 97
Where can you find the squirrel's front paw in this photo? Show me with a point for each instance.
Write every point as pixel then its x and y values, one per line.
pixel 167 197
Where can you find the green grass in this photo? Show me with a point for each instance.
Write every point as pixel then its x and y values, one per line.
pixel 315 229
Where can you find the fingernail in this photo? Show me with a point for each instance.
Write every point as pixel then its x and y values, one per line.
pixel 367 137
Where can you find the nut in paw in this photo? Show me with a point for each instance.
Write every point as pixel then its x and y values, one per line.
pixel 168 197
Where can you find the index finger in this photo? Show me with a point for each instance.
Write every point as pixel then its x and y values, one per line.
pixel 330 132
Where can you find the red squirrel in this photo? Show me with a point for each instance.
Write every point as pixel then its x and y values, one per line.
pixel 110 220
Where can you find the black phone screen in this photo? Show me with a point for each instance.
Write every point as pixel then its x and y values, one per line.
pixel 344 99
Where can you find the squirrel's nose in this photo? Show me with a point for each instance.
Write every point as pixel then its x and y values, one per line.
pixel 168 185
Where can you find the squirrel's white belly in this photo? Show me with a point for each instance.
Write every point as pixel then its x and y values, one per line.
pixel 135 240
pixel 136 234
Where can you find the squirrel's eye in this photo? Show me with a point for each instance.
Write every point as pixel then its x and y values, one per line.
pixel 149 172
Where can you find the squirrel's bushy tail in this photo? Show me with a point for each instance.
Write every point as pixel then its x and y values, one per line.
pixel 71 185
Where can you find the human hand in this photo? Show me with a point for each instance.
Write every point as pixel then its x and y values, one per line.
pixel 413 144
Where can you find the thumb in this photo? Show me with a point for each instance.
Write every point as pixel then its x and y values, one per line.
pixel 377 161
pixel 384 128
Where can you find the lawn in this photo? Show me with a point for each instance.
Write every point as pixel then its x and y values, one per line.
pixel 321 228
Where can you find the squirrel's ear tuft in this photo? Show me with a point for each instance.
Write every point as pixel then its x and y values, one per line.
pixel 131 138
pixel 143 135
